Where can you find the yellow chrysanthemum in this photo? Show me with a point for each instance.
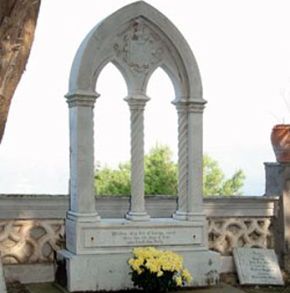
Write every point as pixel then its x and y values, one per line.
pixel 158 262
pixel 136 264
pixel 186 275
pixel 178 281
pixel 171 261
pixel 146 252
pixel 152 265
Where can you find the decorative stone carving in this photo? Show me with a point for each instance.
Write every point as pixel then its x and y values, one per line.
pixel 137 39
pixel 225 234
pixel 30 241
pixel 139 47
pixel 33 241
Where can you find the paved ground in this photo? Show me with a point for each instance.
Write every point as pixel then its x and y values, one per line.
pixel 51 288
pixel 222 288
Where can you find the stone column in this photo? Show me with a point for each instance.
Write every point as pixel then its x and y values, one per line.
pixel 81 123
pixel 137 210
pixel 195 160
pixel 181 213
pixel 190 155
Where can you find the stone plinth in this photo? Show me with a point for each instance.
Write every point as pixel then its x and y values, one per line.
pixel 99 260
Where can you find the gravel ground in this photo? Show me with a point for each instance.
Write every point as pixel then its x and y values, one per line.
pixel 16 287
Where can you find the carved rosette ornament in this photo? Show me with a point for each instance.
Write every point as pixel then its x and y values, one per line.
pixel 139 47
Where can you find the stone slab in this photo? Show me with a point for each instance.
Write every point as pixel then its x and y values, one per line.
pixel 29 273
pixel 111 237
pixel 112 234
pixel 257 266
pixel 45 288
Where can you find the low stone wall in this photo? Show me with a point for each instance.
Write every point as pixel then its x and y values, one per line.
pixel 32 226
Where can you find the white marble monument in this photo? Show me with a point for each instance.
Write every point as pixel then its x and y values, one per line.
pixel 137 39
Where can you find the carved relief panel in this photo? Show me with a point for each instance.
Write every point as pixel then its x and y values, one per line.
pixel 138 47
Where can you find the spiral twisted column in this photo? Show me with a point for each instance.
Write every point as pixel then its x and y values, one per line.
pixel 137 210
pixel 181 212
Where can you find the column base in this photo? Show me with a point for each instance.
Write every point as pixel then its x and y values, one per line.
pixel 137 216
pixel 83 217
pixel 180 216
pixel 188 216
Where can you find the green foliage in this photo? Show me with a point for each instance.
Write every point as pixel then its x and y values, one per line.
pixel 160 172
pixel 214 180
pixel 113 182
pixel 161 177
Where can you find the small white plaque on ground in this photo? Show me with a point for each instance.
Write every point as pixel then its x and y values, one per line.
pixel 257 266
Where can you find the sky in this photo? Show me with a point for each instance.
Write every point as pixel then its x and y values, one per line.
pixel 243 52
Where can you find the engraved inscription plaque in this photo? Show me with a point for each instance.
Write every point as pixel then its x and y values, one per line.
pixel 257 266
pixel 141 237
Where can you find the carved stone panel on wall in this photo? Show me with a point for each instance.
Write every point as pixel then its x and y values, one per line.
pixel 227 233
pixel 30 241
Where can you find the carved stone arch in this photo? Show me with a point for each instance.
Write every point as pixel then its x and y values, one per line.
pixel 137 39
pixel 116 39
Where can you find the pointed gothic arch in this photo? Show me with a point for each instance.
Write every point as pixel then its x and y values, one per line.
pixel 114 138
pixel 138 39
pixel 119 39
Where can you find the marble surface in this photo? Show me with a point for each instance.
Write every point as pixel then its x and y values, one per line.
pixel 257 266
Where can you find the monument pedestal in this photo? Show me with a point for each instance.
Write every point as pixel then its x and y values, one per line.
pixel 99 260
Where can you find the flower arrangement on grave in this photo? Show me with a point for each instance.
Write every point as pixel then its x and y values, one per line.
pixel 156 270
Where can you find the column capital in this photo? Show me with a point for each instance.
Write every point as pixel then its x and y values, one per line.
pixel 81 98
pixel 137 101
pixel 194 107
pixel 189 105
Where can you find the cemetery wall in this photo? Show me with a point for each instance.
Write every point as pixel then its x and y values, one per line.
pixel 32 227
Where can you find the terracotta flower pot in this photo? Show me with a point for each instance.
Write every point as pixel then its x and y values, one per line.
pixel 280 138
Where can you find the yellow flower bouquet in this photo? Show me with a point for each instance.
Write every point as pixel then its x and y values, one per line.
pixel 156 270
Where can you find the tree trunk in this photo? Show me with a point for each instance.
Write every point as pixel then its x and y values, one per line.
pixel 17 25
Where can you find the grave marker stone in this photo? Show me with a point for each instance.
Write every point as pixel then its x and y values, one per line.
pixel 137 39
pixel 257 266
